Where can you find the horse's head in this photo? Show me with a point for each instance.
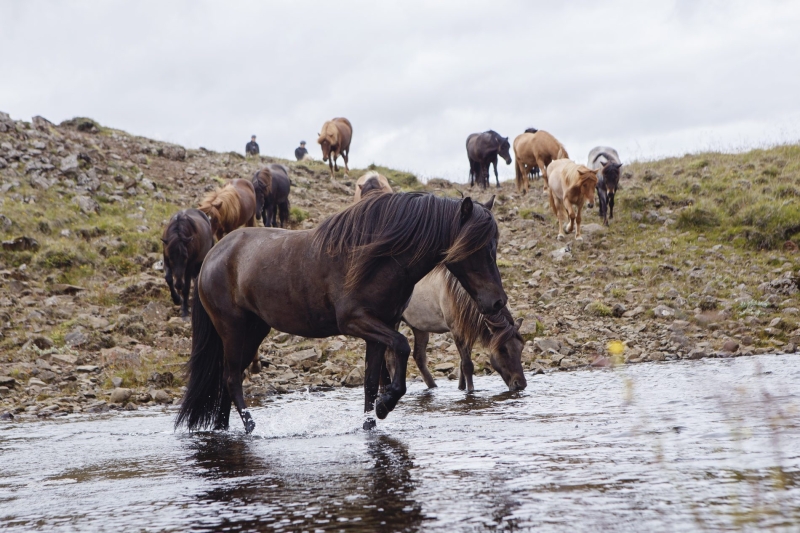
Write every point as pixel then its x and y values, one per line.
pixel 504 150
pixel 611 176
pixel 472 258
pixel 177 253
pixel 262 183
pixel 505 350
pixel 587 181
pixel 328 138
pixel 372 185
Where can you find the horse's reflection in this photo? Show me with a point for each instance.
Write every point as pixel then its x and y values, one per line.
pixel 380 496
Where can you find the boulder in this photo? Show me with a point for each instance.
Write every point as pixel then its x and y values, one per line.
pixel 41 123
pixel 730 346
pixel 8 381
pixel 161 396
pixel 70 166
pixel 547 345
pixel 76 337
pixel 120 395
pixel 663 311
pixel 63 359
pixel 355 378
pixel 173 152
pixel 444 367
pixel 87 205
pixel 304 358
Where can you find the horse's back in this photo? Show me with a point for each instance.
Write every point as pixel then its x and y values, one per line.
pixel 345 132
pixel 557 176
pixel 597 159
pixel 426 308
pixel 281 184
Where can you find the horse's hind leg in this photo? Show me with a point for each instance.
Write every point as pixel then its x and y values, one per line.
pixel 346 157
pixel 187 284
pixel 421 357
pixel 283 211
pixel 241 346
pixel 176 299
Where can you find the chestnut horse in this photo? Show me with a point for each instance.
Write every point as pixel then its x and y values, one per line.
pixel 571 185
pixel 187 239
pixel 606 161
pixel 533 150
pixel 334 138
pixel 440 304
pixel 230 207
pixel 352 275
pixel 272 185
pixel 371 182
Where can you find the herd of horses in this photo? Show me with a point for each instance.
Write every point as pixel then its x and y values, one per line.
pixel 387 258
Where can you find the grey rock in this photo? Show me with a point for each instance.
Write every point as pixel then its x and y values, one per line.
pixel 355 378
pixel 444 367
pixel 120 395
pixel 697 353
pixel 87 369
pixel 87 205
pixel 8 381
pixel 117 381
pixel 662 311
pixel 39 182
pixel 304 358
pixel 175 153
pixel 633 313
pixel 76 337
pixel 161 396
pixel 36 382
pixel 333 347
pixel 70 166
pixel 547 345
pixel 47 376
pixel 618 310
pixel 63 359
pixel 730 346
pixel 41 123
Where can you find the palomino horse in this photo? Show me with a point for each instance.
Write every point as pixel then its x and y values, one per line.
pixel 571 185
pixel 335 140
pixel 230 207
pixel 482 151
pixel 352 275
pixel 371 182
pixel 272 185
pixel 440 304
pixel 535 150
pixel 606 161
pixel 187 239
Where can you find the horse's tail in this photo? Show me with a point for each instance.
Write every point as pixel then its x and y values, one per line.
pixel 202 402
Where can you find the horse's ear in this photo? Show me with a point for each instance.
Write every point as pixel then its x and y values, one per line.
pixel 359 186
pixel 488 205
pixel 217 203
pixel 518 323
pixel 466 209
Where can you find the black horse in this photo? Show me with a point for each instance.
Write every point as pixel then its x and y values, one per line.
pixel 482 151
pixel 606 161
pixel 187 239
pixel 272 194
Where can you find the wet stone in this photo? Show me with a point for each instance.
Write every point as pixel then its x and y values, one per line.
pixel 161 396
pixel 730 346
pixel 120 395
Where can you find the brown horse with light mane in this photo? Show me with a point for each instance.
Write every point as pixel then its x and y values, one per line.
pixel 230 207
pixel 440 304
pixel 571 185
pixel 533 150
pixel 334 138
pixel 371 182
pixel 352 275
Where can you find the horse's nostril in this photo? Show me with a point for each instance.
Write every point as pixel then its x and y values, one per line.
pixel 498 305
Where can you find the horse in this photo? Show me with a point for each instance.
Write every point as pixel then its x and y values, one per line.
pixel 187 238
pixel 229 207
pixel 371 182
pixel 334 138
pixel 532 150
pixel 440 304
pixel 272 185
pixel 482 151
pixel 351 275
pixel 606 161
pixel 570 185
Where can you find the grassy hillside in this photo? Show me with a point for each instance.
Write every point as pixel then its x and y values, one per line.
pixel 700 254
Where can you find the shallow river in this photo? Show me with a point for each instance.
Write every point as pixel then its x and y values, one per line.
pixel 684 446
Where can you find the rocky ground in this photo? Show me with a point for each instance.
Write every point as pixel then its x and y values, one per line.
pixel 700 261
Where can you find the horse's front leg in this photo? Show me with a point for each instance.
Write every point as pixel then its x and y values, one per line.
pixel 467 368
pixel 346 157
pixel 187 284
pixel 335 156
pixel 611 206
pixel 176 299
pixel 374 330
pixel 421 356
pixel 496 179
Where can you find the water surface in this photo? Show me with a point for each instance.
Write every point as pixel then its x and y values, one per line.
pixel 683 446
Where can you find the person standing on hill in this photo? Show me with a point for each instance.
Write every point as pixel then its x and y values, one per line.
pixel 252 147
pixel 300 152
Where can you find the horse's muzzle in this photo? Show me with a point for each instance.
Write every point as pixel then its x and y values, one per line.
pixel 518 383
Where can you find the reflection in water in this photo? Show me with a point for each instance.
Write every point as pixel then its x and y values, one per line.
pixel 253 494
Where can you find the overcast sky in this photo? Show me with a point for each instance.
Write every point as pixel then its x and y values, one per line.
pixel 414 78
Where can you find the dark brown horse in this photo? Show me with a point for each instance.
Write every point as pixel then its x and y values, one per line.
pixel 187 239
pixel 272 186
pixel 352 275
pixel 230 207
pixel 482 151
pixel 334 139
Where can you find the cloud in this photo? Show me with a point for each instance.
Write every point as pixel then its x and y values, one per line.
pixel 415 78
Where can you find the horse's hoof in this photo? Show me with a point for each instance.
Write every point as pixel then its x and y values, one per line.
pixel 381 410
pixel 185 317
pixel 176 301
pixel 369 424
pixel 560 237
pixel 579 238
pixel 249 424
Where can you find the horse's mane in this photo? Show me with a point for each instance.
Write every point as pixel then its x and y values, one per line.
pixel 388 225
pixel 222 205
pixel 470 324
pixel 329 133
pixel 177 235
pixel 531 130
pixel 262 181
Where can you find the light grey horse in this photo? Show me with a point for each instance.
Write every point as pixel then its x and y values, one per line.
pixel 440 304
pixel 606 161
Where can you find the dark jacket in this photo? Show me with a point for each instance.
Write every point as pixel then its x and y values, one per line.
pixel 299 152
pixel 251 148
